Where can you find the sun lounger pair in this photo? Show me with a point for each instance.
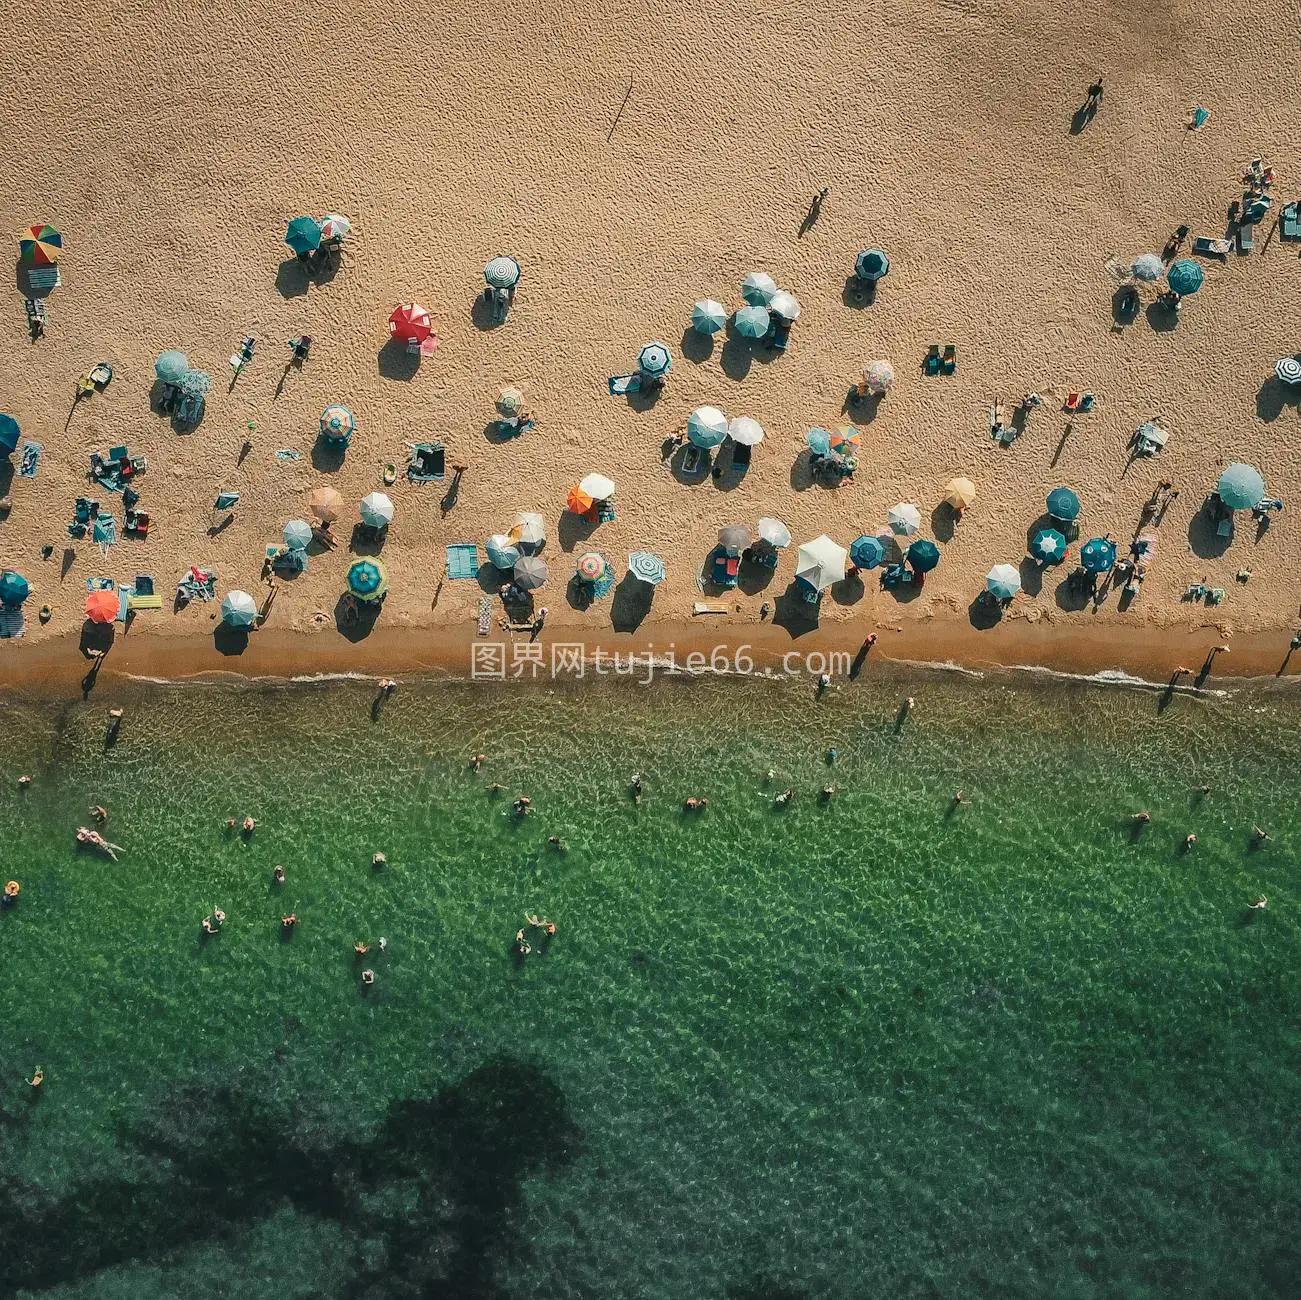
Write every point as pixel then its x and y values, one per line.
pixel 937 363
pixel 135 523
pixel 1289 222
pixel 1079 403
pixel 189 409
pixel 621 385
pixel 43 278
pixel 1246 237
pixel 462 560
pixel 605 512
pixel 781 337
pixel 11 622
pixel 427 462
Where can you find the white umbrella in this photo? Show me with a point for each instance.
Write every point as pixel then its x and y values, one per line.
pixel 597 486
pixel 745 430
pixel 376 510
pixel 1003 581
pixel 334 226
pixel 530 528
pixel 775 533
pixel 784 304
pixel 708 316
pixel 758 288
pixel 904 519
pixel 821 562
pixel 708 424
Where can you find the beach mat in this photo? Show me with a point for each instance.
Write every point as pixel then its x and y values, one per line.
pixel 11 623
pixel 462 560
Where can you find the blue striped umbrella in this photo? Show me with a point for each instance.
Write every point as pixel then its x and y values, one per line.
pixel 707 427
pixel 866 552
pixel 1185 277
pixel 758 288
pixel 304 234
pixel 1241 487
pixel 872 264
pixel 818 441
pixel 923 555
pixel 752 322
pixel 1063 504
pixel 14 588
pixel 654 360
pixel 9 434
pixel 298 534
pixel 646 567
pixel 1098 555
pixel 708 316
pixel 1048 546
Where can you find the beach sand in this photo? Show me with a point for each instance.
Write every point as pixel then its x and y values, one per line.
pixel 172 150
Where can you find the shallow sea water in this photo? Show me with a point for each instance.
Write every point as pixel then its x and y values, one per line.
pixel 880 1047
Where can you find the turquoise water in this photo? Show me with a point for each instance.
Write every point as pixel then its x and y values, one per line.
pixel 883 1046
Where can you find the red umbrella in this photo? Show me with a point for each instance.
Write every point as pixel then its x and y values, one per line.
pixel 410 322
pixel 101 606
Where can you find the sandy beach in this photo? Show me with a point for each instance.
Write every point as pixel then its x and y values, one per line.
pixel 632 171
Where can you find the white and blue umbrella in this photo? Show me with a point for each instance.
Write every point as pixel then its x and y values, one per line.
pixel 758 288
pixel 654 360
pixel 1148 266
pixel 785 305
pixel 905 519
pixel 646 567
pixel 1241 487
pixel 170 366
pixel 1098 555
pixel 298 534
pixel 708 316
pixel 376 510
pixel 1003 581
pixel 502 552
pixel 238 609
pixel 502 273
pixel 872 264
pixel 752 322
pixel 707 427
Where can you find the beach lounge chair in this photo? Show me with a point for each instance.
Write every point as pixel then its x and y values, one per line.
pixel 1149 439
pixel 43 278
pixel 1289 224
pixel 1246 237
pixel 11 622
pixel 1087 402
pixel 189 409
pixel 605 512
pixel 136 523
pixel 31 460
pixel 36 318
pixel 949 361
pixel 621 385
pixel 691 459
pixel 1205 247
pixel 462 560
pixel 1072 403
pixel 931 362
pixel 741 454
pixel 427 463
pixel 781 336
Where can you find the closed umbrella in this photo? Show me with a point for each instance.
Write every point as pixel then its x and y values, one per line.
pixel 646 567
pixel 746 431
pixel 783 304
pixel 368 580
pixel 298 534
pixel 758 287
pixel 1063 504
pixel 14 588
pixel 502 552
pixel 304 234
pixel 530 572
pixel 654 360
pixel 39 246
pixel 510 402
pixel 1048 546
pixel 502 273
pixel 410 322
pixel 1148 266
pixel 775 533
pixel 923 555
pixel 326 504
pixel 959 493
pixel 1098 555
pixel 706 427
pixel 1241 487
pixel 9 434
pixel 878 377
pixel 821 562
pixel 239 609
pixel 335 226
pixel 818 441
pixel 1185 277
pixel 1288 371
pixel 337 425
pixel 529 529
pixel 101 606
pixel 597 486
pixel 866 552
pixel 904 519
pixel 590 566
pixel 171 366
pixel 225 501
pixel 708 316
pixel 376 510
pixel 1003 581
pixel 735 538
pixel 752 322
pixel 872 264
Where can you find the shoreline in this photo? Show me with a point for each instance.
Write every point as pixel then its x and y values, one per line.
pixel 55 667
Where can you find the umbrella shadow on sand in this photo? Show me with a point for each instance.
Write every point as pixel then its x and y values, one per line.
pixel 366 540
pixel 802 476
pixel 1273 396
pixel 792 612
pixel 395 362
pixel 1206 543
pixel 326 457
pixel 984 612
pixel 579 594
pixel 737 356
pixel 356 621
pixel 752 578
pixel 292 279
pixel 1032 576
pixel 943 521
pixel 573 529
pixel 632 602
pixel 1160 317
pixel 858 293
pixel 848 591
pixel 696 346
pixel 481 312
pixel 227 640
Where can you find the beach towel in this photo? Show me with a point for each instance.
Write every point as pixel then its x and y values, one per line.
pixel 288 454
pixel 11 622
pixel 105 532
pixel 485 615
pixel 31 459
pixel 197 585
pixel 462 560
pixel 622 384
pixel 426 462
pixel 123 603
pixel 100 584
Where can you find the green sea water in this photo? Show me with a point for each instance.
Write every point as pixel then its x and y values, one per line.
pixel 878 1046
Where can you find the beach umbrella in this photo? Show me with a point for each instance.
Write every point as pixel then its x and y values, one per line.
pixel 646 567
pixel 846 441
pixel 590 566
pixel 39 246
pixel 1288 371
pixel 410 321
pixel 1185 277
pixel 304 234
pixel 654 360
pixel 872 264
pixel 530 572
pixel 1003 581
pixel 923 555
pixel 502 273
pixel 1148 266
pixel 775 533
pixel 367 580
pixel 238 609
pixel 866 552
pixel 171 366
pixel 734 538
pixel 225 501
pixel 326 503
pixel 706 427
pixel 783 304
pixel 337 424
pixel 959 493
pixel 579 502
pixel 335 226
pixel 1063 504
pixel 708 316
pixel 1048 546
pixel 1098 555
pixel 878 376
pixel 821 562
pixel 298 534
pixel 597 486
pixel 195 383
pixel 14 588
pixel 529 529
pixel 101 606
pixel 904 519
pixel 510 402
pixel 376 510
pixel 818 441
pixel 9 434
pixel 752 322
pixel 1241 487
pixel 758 288
pixel 502 552
pixel 746 431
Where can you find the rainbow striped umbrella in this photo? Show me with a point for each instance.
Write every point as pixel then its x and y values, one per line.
pixel 39 246
pixel 337 424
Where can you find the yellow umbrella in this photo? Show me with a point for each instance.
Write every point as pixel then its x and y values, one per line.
pixel 960 493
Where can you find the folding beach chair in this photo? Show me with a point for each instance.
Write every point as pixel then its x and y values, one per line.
pixel 1289 225
pixel 931 362
pixel 741 454
pixel 949 361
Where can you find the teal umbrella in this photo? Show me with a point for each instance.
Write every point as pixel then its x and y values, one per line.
pixel 1185 277
pixel 707 427
pixel 819 442
pixel 1003 582
pixel 367 580
pixel 1063 504
pixel 502 552
pixel 1048 546
pixel 239 609
pixel 195 383
pixel 752 322
pixel 866 552
pixel 304 234
pixel 872 264
pixel 298 534
pixel 646 567
pixel 1241 487
pixel 14 588
pixel 708 316
pixel 171 366
pixel 758 288
pixel 1098 555
pixel 654 360
pixel 923 555
pixel 9 434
